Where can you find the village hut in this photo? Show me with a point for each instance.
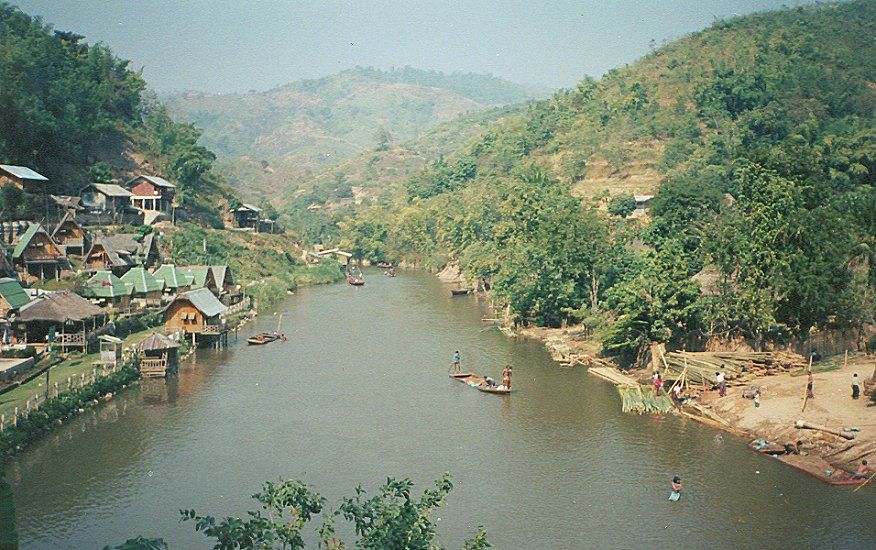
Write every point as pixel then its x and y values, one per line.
pixel 106 199
pixel 147 288
pixel 69 234
pixel 197 312
pixel 12 298
pixel 175 281
pixel 247 216
pixel 109 290
pixel 152 193
pixel 37 255
pixel 110 351
pixel 229 291
pixel 117 253
pixel 158 355
pixel 23 177
pixel 62 318
pixel 202 277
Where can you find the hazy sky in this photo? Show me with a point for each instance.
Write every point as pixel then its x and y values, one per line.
pixel 234 45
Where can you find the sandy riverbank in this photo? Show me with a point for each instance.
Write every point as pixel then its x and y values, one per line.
pixel 781 405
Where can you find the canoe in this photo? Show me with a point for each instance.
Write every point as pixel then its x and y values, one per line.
pixel 355 282
pixel 459 292
pixel 262 338
pixel 478 382
pixel 816 466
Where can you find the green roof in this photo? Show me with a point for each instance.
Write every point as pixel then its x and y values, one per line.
pixel 142 280
pixel 106 285
pixel 11 291
pixel 199 274
pixel 173 277
pixel 204 301
pixel 32 230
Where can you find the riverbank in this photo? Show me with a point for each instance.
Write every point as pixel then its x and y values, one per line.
pixel 775 421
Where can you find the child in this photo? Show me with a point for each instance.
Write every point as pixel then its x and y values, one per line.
pixel 757 399
pixel 676 489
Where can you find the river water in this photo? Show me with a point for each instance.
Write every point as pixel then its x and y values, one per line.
pixel 359 392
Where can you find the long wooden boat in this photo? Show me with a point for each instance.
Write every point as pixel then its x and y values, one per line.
pixel 479 383
pixel 817 467
pixel 262 338
pixel 459 291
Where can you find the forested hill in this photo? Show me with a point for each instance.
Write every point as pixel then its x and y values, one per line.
pixel 757 134
pixel 77 113
pixel 268 140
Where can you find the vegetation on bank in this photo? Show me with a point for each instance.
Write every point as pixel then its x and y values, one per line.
pixel 266 265
pixel 392 519
pixel 764 222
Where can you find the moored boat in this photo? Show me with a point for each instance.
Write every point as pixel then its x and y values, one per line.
pixel 262 338
pixel 459 291
pixel 479 383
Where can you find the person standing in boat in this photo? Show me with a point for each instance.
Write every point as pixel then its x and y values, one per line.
pixel 506 377
pixel 456 361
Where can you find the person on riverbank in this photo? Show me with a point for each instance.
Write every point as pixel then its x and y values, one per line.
pixel 721 383
pixel 809 385
pixel 456 361
pixel 506 377
pixel 856 386
pixel 863 471
pixel 676 489
pixel 658 383
pixel 757 399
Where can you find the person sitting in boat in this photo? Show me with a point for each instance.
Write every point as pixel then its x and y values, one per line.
pixel 489 382
pixel 863 471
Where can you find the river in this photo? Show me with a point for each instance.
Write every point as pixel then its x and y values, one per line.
pixel 359 392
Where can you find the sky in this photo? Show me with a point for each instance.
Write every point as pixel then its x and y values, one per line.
pixel 221 46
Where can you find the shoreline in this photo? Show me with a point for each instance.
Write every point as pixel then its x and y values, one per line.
pixel 827 457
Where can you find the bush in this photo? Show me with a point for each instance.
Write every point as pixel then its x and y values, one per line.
pixel 621 205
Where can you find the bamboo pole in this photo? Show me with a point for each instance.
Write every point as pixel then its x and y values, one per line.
pixel 858 488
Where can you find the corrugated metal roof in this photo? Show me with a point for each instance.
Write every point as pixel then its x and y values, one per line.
pixel 245 206
pixel 173 277
pixel 11 291
pixel 25 240
pixel 142 280
pixel 111 190
pixel 204 301
pixel 160 182
pixel 104 284
pixel 23 172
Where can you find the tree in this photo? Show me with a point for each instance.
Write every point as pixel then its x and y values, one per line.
pixel 621 205
pixel 383 139
pixel 100 172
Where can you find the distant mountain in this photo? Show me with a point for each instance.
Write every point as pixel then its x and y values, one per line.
pixel 267 140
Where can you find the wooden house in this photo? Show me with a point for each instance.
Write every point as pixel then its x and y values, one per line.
pixel 197 312
pixel 158 355
pixel 121 252
pixel 202 277
pixel 108 290
pixel 247 216
pixel 63 319
pixel 106 199
pixel 110 351
pixel 69 234
pixel 37 256
pixel 229 291
pixel 12 296
pixel 175 281
pixel 147 288
pixel 152 193
pixel 23 177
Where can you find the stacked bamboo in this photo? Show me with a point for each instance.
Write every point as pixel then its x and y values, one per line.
pixel 640 399
pixel 739 367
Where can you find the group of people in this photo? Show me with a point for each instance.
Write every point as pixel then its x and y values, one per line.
pixel 507 372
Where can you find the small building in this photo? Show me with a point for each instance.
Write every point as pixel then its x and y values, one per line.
pixel 158 355
pixel 106 199
pixel 148 253
pixel 147 288
pixel 202 277
pixel 12 297
pixel 23 177
pixel 109 290
pixel 152 193
pixel 229 291
pixel 175 281
pixel 69 234
pixel 120 252
pixel 63 318
pixel 110 351
pixel 197 312
pixel 247 216
pixel 37 256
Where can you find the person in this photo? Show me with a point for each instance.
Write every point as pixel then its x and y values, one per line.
pixel 863 470
pixel 676 489
pixel 757 399
pixel 722 384
pixel 283 337
pixel 506 377
pixel 793 448
pixel 856 386
pixel 489 382
pixel 456 361
pixel 658 383
pixel 809 393
pixel 677 393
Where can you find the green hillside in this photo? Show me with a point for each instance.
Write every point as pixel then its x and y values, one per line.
pixel 757 134
pixel 267 140
pixel 77 113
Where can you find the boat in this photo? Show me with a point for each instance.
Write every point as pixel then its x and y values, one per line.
pixel 384 265
pixel 262 338
pixel 479 383
pixel 354 276
pixel 390 272
pixel 820 469
pixel 459 291
pixel 354 281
